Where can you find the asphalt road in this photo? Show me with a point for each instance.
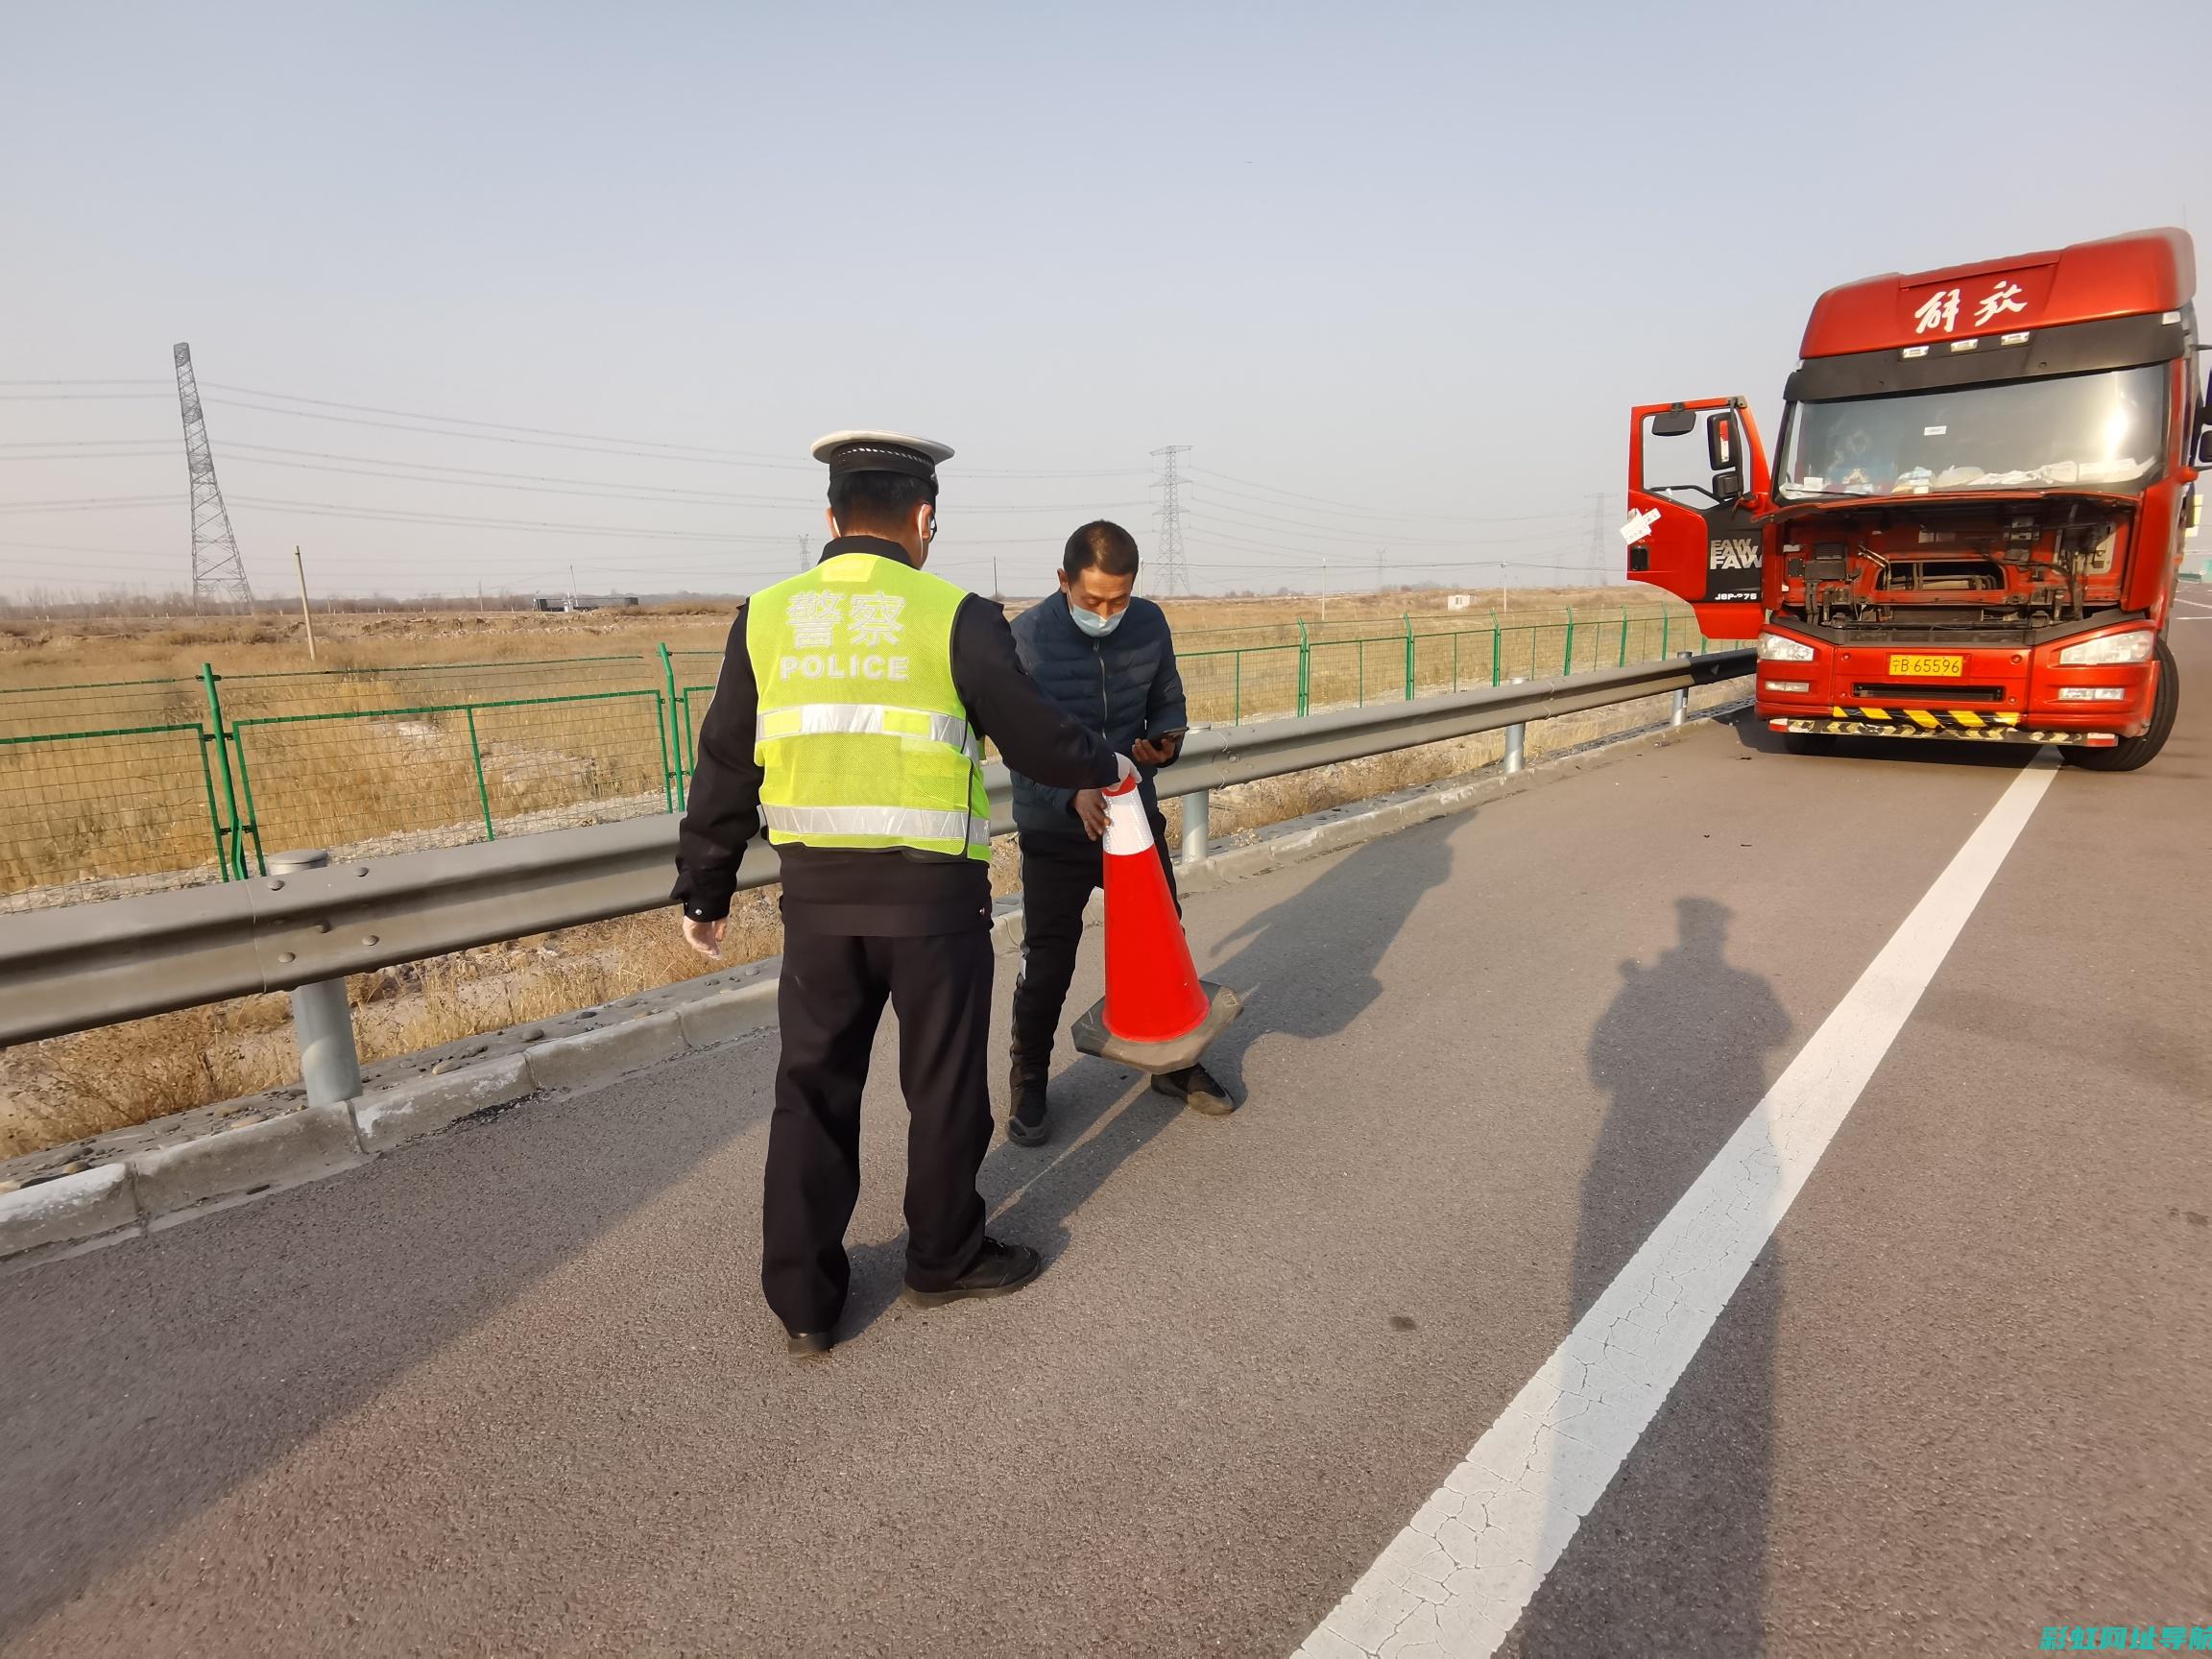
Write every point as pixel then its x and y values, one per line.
pixel 512 1391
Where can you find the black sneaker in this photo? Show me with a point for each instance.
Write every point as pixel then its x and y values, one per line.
pixel 1197 1088
pixel 1000 1270
pixel 1026 1124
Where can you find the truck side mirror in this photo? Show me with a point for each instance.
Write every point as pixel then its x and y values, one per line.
pixel 1720 441
pixel 1728 486
pixel 1675 423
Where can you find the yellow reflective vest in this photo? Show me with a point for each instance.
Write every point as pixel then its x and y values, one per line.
pixel 862 738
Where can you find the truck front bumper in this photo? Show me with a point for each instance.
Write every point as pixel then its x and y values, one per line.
pixel 1930 723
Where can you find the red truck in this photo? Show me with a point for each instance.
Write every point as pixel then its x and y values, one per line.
pixel 1975 521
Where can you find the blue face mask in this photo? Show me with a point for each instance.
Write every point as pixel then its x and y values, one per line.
pixel 1093 624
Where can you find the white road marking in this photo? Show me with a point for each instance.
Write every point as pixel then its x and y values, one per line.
pixel 1457 1578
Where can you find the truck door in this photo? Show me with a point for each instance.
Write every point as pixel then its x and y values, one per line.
pixel 1698 481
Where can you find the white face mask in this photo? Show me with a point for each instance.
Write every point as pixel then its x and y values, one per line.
pixel 1093 624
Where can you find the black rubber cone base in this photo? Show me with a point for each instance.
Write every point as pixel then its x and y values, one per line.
pixel 1093 1038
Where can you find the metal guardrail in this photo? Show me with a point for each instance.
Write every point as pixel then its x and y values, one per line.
pixel 86 965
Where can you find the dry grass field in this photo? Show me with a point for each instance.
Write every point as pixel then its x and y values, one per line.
pixel 391 783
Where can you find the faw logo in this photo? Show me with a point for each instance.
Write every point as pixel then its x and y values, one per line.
pixel 1739 554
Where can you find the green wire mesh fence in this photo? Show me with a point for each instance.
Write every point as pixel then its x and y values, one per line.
pixel 106 781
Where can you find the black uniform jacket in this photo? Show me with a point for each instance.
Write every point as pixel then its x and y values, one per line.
pixel 892 893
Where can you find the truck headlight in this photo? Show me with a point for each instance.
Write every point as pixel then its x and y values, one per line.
pixel 1799 687
pixel 2135 646
pixel 1781 648
pixel 2093 693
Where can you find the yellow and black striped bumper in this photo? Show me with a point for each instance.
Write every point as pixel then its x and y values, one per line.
pixel 1927 719
pixel 1869 720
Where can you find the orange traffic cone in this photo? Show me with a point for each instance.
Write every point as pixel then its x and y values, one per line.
pixel 1157 1014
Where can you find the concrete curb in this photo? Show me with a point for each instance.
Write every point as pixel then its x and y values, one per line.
pixel 154 1189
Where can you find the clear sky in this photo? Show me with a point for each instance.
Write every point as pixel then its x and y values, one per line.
pixel 1394 273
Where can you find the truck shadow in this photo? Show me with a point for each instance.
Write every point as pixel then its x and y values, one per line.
pixel 1674 1552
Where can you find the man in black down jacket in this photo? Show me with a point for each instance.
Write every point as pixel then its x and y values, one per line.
pixel 1109 661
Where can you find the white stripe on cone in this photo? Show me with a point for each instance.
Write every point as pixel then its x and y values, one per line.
pixel 1128 829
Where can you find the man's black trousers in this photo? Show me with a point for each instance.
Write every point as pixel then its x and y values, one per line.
pixel 1058 872
pixel 829 999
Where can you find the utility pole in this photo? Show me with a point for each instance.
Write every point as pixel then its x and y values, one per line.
pixel 573 607
pixel 306 617
pixel 1175 576
pixel 805 555
pixel 218 573
pixel 1598 550
pixel 995 594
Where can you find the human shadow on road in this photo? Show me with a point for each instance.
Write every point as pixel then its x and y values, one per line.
pixel 1672 1559
pixel 1307 967
pixel 140 1384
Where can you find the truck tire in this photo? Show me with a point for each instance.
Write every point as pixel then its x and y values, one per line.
pixel 2130 753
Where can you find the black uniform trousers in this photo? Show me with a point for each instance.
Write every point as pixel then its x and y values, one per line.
pixel 830 996
pixel 1058 874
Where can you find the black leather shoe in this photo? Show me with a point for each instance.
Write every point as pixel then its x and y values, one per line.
pixel 807 1341
pixel 1026 1124
pixel 1000 1270
pixel 1197 1088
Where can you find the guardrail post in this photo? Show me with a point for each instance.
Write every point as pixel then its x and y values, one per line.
pixel 1681 710
pixel 323 1024
pixel 1516 738
pixel 1197 816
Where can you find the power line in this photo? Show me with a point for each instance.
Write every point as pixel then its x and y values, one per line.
pixel 1366 512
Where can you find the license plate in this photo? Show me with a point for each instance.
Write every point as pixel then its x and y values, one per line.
pixel 1927 667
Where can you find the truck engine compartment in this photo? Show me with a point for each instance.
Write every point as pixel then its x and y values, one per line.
pixel 1993 572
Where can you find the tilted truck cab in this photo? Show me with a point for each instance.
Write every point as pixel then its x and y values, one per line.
pixel 1973 522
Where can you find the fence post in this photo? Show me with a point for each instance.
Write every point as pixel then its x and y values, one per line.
pixel 483 793
pixel 1237 689
pixel 237 854
pixel 321 1023
pixel 1493 639
pixel 1455 661
pixel 1197 816
pixel 1408 619
pixel 668 679
pixel 1516 740
pixel 661 720
pixel 1681 710
pixel 1624 662
pixel 1567 657
pixel 1665 619
pixel 1304 671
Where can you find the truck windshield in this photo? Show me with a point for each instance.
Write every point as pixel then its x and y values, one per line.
pixel 2101 428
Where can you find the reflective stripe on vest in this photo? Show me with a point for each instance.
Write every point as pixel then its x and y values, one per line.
pixel 897 822
pixel 812 719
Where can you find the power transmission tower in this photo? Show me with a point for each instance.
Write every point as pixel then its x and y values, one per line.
pixel 806 556
pixel 1381 569
pixel 1600 554
pixel 1175 574
pixel 218 573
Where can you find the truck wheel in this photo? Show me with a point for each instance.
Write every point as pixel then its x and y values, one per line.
pixel 2130 753
pixel 1809 743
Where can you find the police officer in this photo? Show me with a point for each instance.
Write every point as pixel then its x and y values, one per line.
pixel 853 703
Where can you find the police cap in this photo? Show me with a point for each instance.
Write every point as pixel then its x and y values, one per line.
pixel 882 452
